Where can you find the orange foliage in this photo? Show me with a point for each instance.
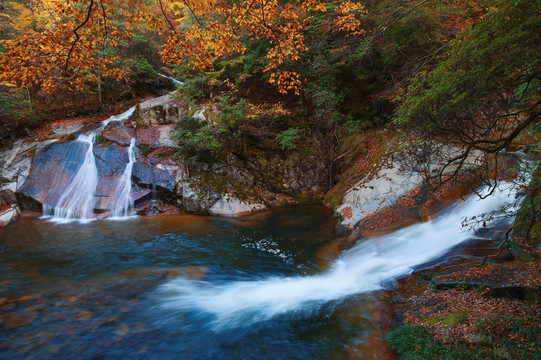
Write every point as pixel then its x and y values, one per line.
pixel 218 29
pixel 73 50
pixel 70 43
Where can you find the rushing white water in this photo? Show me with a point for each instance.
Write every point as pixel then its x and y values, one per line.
pixel 360 269
pixel 120 117
pixel 77 200
pixel 176 83
pixel 122 200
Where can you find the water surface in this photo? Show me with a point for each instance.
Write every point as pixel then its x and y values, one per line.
pixel 93 290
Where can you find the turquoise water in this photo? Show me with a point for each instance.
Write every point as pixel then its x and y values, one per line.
pixel 95 290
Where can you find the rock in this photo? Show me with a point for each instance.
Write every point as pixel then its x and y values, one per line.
pixel 165 138
pixel 119 132
pixel 231 206
pixel 10 215
pixel 52 168
pixel 63 131
pixel 19 319
pixel 389 181
pixel 15 165
pixel 376 191
pixel 198 202
pixel 158 176
pixel 160 111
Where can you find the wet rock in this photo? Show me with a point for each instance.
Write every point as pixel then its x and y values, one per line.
pixel 9 215
pixel 52 168
pixel 18 320
pixel 159 177
pixel 119 132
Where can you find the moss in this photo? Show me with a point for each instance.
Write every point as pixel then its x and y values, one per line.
pixel 193 110
pixel 456 318
pixel 98 138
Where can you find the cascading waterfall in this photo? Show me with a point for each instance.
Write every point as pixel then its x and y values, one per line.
pixel 122 200
pixel 176 83
pixel 120 117
pixel 360 269
pixel 77 200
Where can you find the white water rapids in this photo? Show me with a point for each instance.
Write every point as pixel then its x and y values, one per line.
pixel 360 269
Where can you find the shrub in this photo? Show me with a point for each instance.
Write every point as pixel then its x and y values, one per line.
pixel 287 139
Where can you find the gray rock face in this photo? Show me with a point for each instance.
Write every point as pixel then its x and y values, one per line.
pixel 15 164
pixel 160 111
pixel 388 182
pixel 66 130
pixel 198 202
pixel 10 215
pixel 231 206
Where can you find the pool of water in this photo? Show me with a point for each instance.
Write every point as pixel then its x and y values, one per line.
pixel 97 290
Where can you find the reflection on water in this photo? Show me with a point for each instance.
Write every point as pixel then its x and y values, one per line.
pixel 85 291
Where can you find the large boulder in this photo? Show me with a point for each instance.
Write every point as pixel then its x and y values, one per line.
pixel 9 215
pixel 231 206
pixel 160 111
pixel 52 169
pixel 15 164
pixel 389 181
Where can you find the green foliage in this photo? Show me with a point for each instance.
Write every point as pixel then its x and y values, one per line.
pixel 287 139
pixel 192 90
pixel 232 113
pixel 197 141
pixel 491 340
pixel 141 67
pixel 98 138
pixel 500 55
pixel 16 113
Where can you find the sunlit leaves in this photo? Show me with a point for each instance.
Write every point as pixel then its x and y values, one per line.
pixel 219 29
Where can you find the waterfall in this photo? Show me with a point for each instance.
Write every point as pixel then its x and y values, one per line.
pixel 362 268
pixel 176 83
pixel 77 200
pixel 122 200
pixel 120 117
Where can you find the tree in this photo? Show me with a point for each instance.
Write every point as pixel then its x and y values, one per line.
pixel 482 95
